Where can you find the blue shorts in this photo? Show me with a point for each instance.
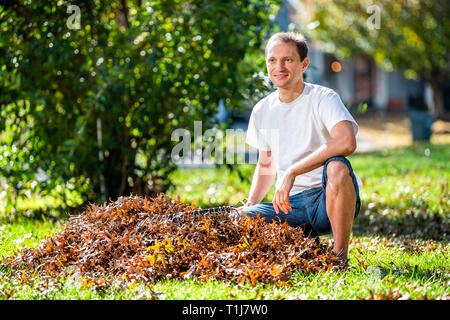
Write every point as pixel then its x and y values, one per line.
pixel 309 209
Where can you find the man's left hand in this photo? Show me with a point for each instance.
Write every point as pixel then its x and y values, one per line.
pixel 281 197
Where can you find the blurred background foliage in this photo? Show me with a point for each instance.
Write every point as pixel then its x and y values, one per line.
pixel 412 36
pixel 87 113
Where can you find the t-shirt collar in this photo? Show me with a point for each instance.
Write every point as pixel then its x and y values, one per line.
pixel 300 97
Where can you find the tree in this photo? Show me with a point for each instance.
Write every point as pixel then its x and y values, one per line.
pixel 408 35
pixel 93 106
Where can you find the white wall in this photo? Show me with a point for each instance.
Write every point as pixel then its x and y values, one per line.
pixel 381 92
pixel 315 71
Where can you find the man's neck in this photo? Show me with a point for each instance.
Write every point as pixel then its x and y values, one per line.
pixel 287 95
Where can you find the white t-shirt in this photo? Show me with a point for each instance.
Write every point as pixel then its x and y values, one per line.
pixel 296 129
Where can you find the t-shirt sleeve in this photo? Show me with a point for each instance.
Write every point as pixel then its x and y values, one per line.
pixel 332 111
pixel 254 136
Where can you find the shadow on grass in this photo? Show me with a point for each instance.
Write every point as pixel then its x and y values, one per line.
pixel 52 215
pixel 412 223
pixel 411 272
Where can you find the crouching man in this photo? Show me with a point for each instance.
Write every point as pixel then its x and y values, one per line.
pixel 303 133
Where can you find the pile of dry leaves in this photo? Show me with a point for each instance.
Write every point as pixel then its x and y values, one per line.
pixel 133 239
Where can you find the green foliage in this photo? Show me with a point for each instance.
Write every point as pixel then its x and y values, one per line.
pixel 92 109
pixel 411 35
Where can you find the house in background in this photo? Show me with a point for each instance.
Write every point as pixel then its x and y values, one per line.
pixel 358 79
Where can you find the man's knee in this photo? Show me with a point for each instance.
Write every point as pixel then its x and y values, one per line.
pixel 338 173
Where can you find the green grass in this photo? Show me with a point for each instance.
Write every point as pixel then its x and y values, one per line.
pixel 25 233
pixel 399 247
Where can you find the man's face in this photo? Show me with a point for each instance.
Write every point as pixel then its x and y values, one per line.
pixel 284 66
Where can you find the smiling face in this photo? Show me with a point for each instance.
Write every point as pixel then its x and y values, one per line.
pixel 284 66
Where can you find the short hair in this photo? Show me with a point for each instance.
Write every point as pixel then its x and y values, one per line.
pixel 296 38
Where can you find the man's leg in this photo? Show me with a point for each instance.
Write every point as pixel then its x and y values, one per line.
pixel 340 204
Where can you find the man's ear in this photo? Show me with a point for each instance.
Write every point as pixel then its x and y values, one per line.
pixel 305 64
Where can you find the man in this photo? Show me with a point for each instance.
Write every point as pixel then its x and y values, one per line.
pixel 303 133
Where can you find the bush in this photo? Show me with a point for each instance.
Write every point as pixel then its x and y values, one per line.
pixel 92 109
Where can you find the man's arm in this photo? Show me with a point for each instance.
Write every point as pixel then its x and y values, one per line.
pixel 342 143
pixel 263 178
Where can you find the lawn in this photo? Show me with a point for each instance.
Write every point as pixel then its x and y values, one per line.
pixel 399 247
